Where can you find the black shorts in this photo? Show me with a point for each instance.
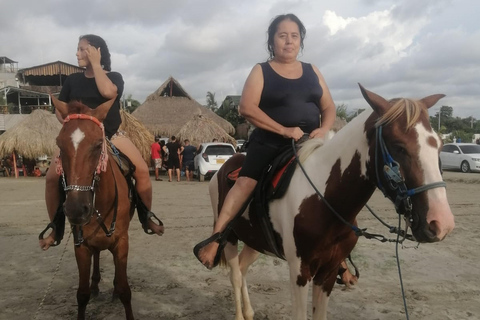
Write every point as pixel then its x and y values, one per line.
pixel 188 166
pixel 259 156
pixel 173 162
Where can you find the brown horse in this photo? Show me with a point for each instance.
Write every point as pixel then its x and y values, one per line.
pixel 96 196
pixel 392 147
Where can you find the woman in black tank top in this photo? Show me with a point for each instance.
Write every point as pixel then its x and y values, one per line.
pixel 283 98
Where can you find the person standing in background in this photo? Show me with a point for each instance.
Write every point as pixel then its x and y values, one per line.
pixel 156 157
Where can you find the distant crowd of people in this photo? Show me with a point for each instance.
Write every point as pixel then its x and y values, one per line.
pixel 174 157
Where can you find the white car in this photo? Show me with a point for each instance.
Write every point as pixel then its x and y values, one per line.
pixel 461 156
pixel 210 157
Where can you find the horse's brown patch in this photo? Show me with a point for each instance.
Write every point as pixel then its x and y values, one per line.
pixel 322 240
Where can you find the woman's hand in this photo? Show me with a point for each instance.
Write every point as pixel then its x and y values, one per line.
pixel 293 132
pixel 318 133
pixel 93 55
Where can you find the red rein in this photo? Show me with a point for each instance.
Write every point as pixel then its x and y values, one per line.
pixel 102 162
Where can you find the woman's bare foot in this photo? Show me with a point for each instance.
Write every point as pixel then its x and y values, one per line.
pixel 207 254
pixel 45 243
pixel 158 229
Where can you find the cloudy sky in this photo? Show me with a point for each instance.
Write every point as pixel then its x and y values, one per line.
pixel 409 48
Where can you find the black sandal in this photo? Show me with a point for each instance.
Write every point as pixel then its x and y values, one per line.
pixel 151 216
pixel 57 238
pixel 217 237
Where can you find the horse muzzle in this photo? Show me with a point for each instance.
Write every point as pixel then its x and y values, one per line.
pixel 78 208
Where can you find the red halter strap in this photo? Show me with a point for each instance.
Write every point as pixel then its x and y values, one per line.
pixel 102 162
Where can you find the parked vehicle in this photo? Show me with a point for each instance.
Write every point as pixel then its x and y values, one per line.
pixel 210 157
pixel 461 156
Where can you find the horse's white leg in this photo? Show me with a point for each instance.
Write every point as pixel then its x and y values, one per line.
pixel 231 254
pixel 247 257
pixel 238 270
pixel 299 293
pixel 319 303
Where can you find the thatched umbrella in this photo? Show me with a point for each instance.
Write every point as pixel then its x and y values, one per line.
pixel 166 110
pixel 33 137
pixel 138 134
pixel 201 129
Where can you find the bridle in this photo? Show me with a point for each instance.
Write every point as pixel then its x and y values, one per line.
pixel 101 167
pixel 395 181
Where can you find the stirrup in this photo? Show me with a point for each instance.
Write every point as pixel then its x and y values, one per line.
pixel 150 215
pixel 57 238
pixel 222 242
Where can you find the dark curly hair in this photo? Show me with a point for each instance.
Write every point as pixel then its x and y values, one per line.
pixel 273 28
pixel 98 42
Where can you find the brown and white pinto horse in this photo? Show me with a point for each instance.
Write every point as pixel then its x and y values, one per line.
pixel 346 170
pixel 96 196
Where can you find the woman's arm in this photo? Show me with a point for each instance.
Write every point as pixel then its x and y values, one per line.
pixel 105 86
pixel 327 108
pixel 249 107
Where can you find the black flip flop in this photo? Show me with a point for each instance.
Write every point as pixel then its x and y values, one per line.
pixel 217 237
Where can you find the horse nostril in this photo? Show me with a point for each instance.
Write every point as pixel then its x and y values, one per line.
pixel 86 209
pixel 434 228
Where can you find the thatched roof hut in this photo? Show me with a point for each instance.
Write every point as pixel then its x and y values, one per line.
pixel 138 134
pixel 33 137
pixel 166 110
pixel 201 129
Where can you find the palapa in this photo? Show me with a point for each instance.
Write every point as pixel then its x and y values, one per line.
pixel 166 110
pixel 33 137
pixel 201 129
pixel 138 134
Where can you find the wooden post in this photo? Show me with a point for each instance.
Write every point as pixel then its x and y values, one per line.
pixel 15 164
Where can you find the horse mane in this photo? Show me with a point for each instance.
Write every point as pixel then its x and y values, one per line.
pixel 411 108
pixel 311 145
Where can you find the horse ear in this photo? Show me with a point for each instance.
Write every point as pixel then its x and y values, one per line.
pixel 379 104
pixel 62 107
pixel 101 111
pixel 431 100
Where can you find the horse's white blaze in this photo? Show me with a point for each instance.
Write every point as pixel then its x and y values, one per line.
pixel 77 137
pixel 439 211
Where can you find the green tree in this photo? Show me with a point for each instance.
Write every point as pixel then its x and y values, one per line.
pixel 131 104
pixel 342 111
pixel 211 102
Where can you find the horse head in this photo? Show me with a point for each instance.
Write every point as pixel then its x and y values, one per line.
pixel 82 151
pixel 404 150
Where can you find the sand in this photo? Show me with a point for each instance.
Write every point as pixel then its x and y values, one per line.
pixel 169 283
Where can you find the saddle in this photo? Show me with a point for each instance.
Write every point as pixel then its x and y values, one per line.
pixel 272 185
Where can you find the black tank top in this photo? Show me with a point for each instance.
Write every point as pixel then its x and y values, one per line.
pixel 290 102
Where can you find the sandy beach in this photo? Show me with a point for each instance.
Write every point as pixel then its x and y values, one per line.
pixel 168 282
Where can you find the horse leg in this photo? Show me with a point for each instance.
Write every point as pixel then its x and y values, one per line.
pixel 84 261
pixel 121 287
pixel 231 255
pixel 238 271
pixel 321 296
pixel 299 292
pixel 96 274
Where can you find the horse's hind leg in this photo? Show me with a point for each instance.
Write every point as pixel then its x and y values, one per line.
pixel 96 274
pixel 84 261
pixel 122 289
pixel 238 270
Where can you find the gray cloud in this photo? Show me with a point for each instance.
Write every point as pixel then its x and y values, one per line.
pixel 408 48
